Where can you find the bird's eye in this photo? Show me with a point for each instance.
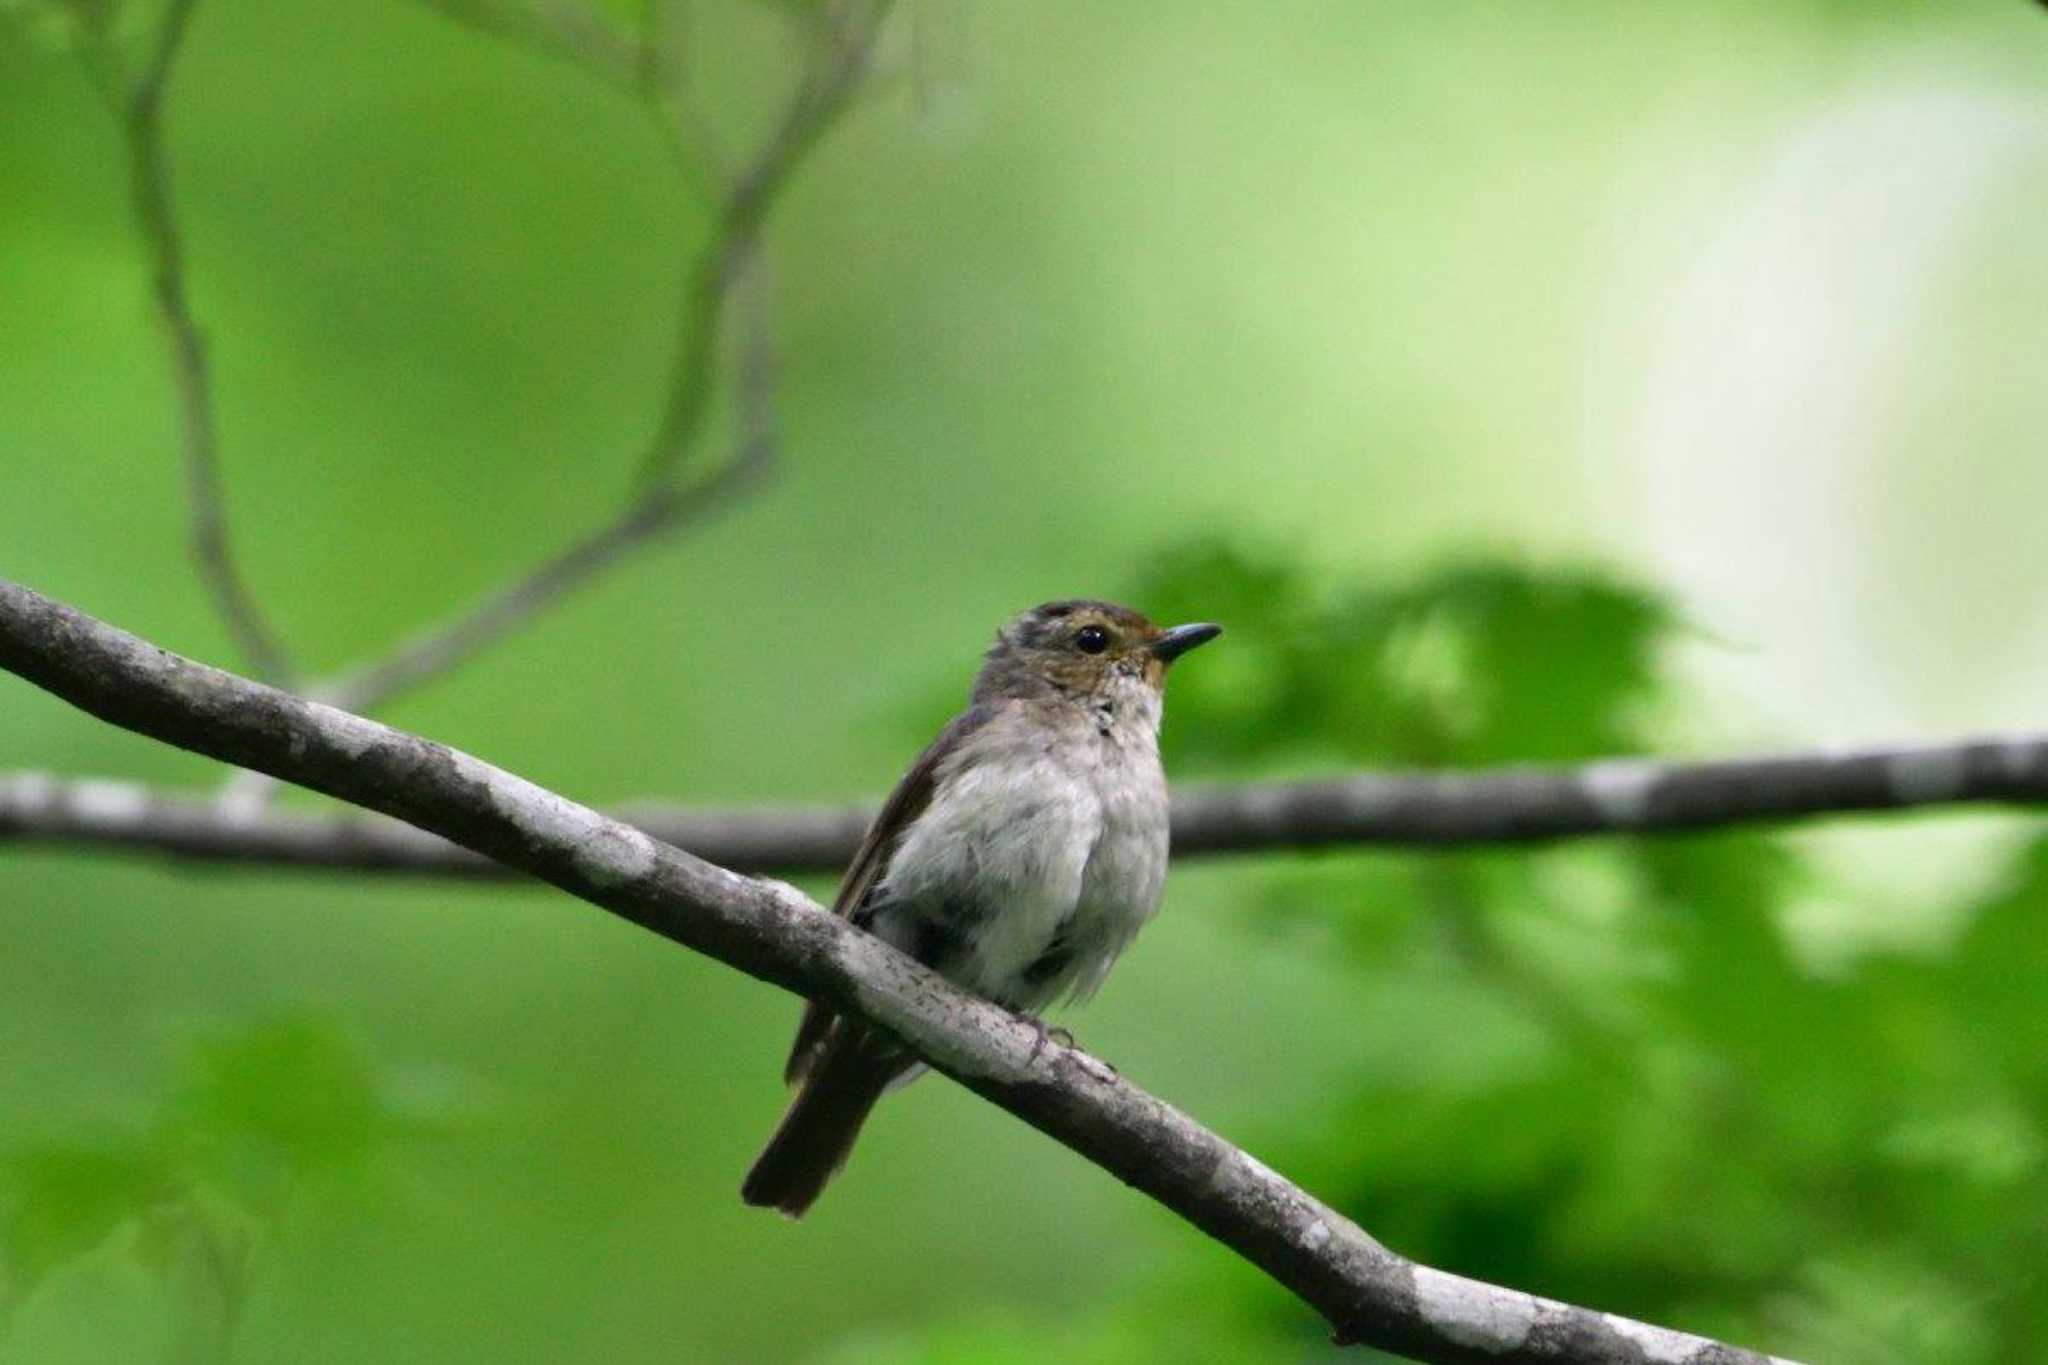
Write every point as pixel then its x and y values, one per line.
pixel 1091 639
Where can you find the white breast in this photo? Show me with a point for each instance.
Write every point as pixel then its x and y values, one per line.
pixel 1126 870
pixel 1038 835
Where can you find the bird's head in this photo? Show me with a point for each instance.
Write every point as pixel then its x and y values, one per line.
pixel 1083 649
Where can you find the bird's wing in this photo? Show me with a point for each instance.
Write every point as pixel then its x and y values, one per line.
pixel 908 801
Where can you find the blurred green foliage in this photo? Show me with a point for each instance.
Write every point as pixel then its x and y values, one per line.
pixel 1244 315
pixel 1598 1072
pixel 1480 662
pixel 147 1236
pixel 1595 1072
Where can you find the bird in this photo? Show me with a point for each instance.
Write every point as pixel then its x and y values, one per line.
pixel 1017 857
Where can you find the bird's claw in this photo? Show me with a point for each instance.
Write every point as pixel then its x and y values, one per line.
pixel 1040 1033
pixel 1101 1071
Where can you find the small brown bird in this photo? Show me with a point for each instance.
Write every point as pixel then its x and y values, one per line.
pixel 1017 858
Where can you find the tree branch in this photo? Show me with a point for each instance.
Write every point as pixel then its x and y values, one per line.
pixel 1448 809
pixel 441 647
pixel 1612 796
pixel 832 73
pixel 149 192
pixel 126 816
pixel 662 506
pixel 563 30
pixel 773 932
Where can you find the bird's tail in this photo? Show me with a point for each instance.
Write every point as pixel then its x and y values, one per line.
pixel 817 1132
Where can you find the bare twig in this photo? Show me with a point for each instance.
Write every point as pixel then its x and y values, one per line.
pixel 1445 809
pixel 729 272
pixel 1613 796
pixel 441 647
pixel 149 190
pixel 663 505
pixel 133 817
pixel 771 931
pixel 754 382
pixel 821 96
pixel 559 29
pixel 666 88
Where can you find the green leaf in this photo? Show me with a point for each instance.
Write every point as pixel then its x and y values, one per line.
pixel 64 1198
pixel 294 1086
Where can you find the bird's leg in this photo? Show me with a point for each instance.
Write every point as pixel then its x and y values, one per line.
pixel 1104 1072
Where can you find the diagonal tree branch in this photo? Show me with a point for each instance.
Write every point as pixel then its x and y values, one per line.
pixel 1448 809
pixel 729 273
pixel 563 30
pixel 660 510
pixel 645 66
pixel 441 647
pixel 666 86
pixel 662 505
pixel 771 931
pixel 149 190
pixel 838 58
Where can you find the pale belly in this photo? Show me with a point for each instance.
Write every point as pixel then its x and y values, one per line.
pixel 1025 879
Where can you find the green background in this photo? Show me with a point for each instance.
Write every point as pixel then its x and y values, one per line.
pixel 1525 381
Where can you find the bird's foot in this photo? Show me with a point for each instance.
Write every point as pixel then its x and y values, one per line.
pixel 1103 1072
pixel 1040 1034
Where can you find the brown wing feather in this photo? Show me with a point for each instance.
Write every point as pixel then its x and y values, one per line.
pixel 871 863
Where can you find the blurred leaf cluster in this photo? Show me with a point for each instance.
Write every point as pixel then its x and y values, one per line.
pixel 147 1235
pixel 1601 1072
pixel 1480 661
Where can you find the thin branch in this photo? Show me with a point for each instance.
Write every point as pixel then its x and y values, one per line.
pixel 1402 810
pixel 754 302
pixel 1612 796
pixel 558 29
pixel 147 93
pixel 124 816
pixel 642 66
pixel 832 74
pixel 771 931
pixel 662 506
pixel 666 88
pixel 149 190
pixel 441 647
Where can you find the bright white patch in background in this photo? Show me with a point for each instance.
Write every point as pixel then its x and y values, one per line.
pixel 1761 411
pixel 1796 473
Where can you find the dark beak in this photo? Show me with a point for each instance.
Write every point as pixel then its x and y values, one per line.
pixel 1181 639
